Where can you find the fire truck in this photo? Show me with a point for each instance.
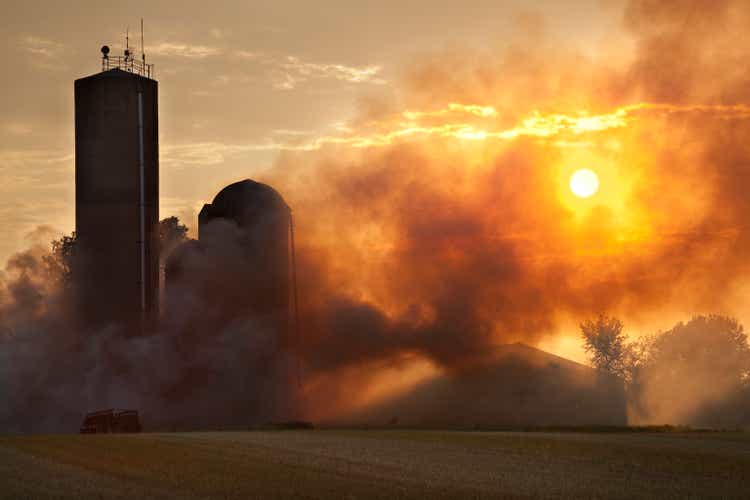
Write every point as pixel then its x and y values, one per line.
pixel 112 420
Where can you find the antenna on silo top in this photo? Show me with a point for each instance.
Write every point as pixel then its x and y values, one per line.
pixel 127 43
pixel 143 50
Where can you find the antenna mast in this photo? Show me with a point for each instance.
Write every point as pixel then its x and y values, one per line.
pixel 128 58
pixel 143 50
pixel 128 62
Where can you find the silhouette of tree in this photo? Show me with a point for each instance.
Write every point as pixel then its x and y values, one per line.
pixel 706 344
pixel 607 346
pixel 60 262
pixel 171 234
pixel 698 372
pixel 694 373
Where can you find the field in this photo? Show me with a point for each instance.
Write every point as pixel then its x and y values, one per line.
pixel 376 464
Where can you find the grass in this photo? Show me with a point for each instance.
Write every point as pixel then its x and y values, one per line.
pixel 377 464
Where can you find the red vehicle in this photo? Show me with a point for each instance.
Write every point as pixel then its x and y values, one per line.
pixel 111 420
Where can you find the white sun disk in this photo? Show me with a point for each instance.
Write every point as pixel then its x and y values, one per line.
pixel 584 183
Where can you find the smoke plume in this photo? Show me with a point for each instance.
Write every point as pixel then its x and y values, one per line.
pixel 432 230
pixel 446 227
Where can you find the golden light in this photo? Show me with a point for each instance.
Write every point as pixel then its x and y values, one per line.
pixel 584 183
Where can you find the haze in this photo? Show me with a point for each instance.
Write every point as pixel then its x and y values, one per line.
pixel 432 138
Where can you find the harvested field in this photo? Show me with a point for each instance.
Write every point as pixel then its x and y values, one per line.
pixel 376 464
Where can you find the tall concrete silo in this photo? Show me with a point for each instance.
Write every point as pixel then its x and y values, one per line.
pixel 117 193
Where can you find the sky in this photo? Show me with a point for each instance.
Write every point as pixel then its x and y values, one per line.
pixel 238 80
pixel 426 148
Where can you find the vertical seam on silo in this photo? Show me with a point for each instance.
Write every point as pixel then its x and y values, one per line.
pixel 142 207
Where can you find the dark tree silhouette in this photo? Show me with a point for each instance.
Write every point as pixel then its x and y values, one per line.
pixel 697 372
pixel 607 346
pixel 706 344
pixel 171 234
pixel 61 261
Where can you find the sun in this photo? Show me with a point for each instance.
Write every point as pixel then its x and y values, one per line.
pixel 584 183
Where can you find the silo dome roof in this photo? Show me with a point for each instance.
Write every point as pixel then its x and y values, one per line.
pixel 247 192
pixel 245 202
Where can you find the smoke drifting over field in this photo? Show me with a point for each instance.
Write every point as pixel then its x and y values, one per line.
pixel 442 226
pixel 451 229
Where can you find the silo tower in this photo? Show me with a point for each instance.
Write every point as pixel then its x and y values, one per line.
pixel 262 218
pixel 242 263
pixel 117 192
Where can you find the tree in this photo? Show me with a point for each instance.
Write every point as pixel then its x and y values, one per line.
pixel 697 373
pixel 171 234
pixel 61 261
pixel 711 344
pixel 606 345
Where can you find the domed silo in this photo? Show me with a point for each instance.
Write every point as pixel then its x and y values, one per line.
pixel 244 234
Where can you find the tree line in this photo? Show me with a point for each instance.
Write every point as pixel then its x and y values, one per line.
pixel 61 261
pixel 695 373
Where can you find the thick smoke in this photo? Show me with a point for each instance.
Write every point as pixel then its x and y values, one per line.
pixel 438 249
pixel 446 248
pixel 202 366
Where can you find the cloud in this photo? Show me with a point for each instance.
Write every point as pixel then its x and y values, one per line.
pixel 288 72
pixel 292 71
pixel 174 49
pixel 463 122
pixel 42 47
pixel 20 160
pixel 292 132
pixel 47 54
pixel 211 153
pixel 247 54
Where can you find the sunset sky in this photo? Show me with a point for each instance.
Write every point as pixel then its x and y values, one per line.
pixel 427 147
pixel 238 81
